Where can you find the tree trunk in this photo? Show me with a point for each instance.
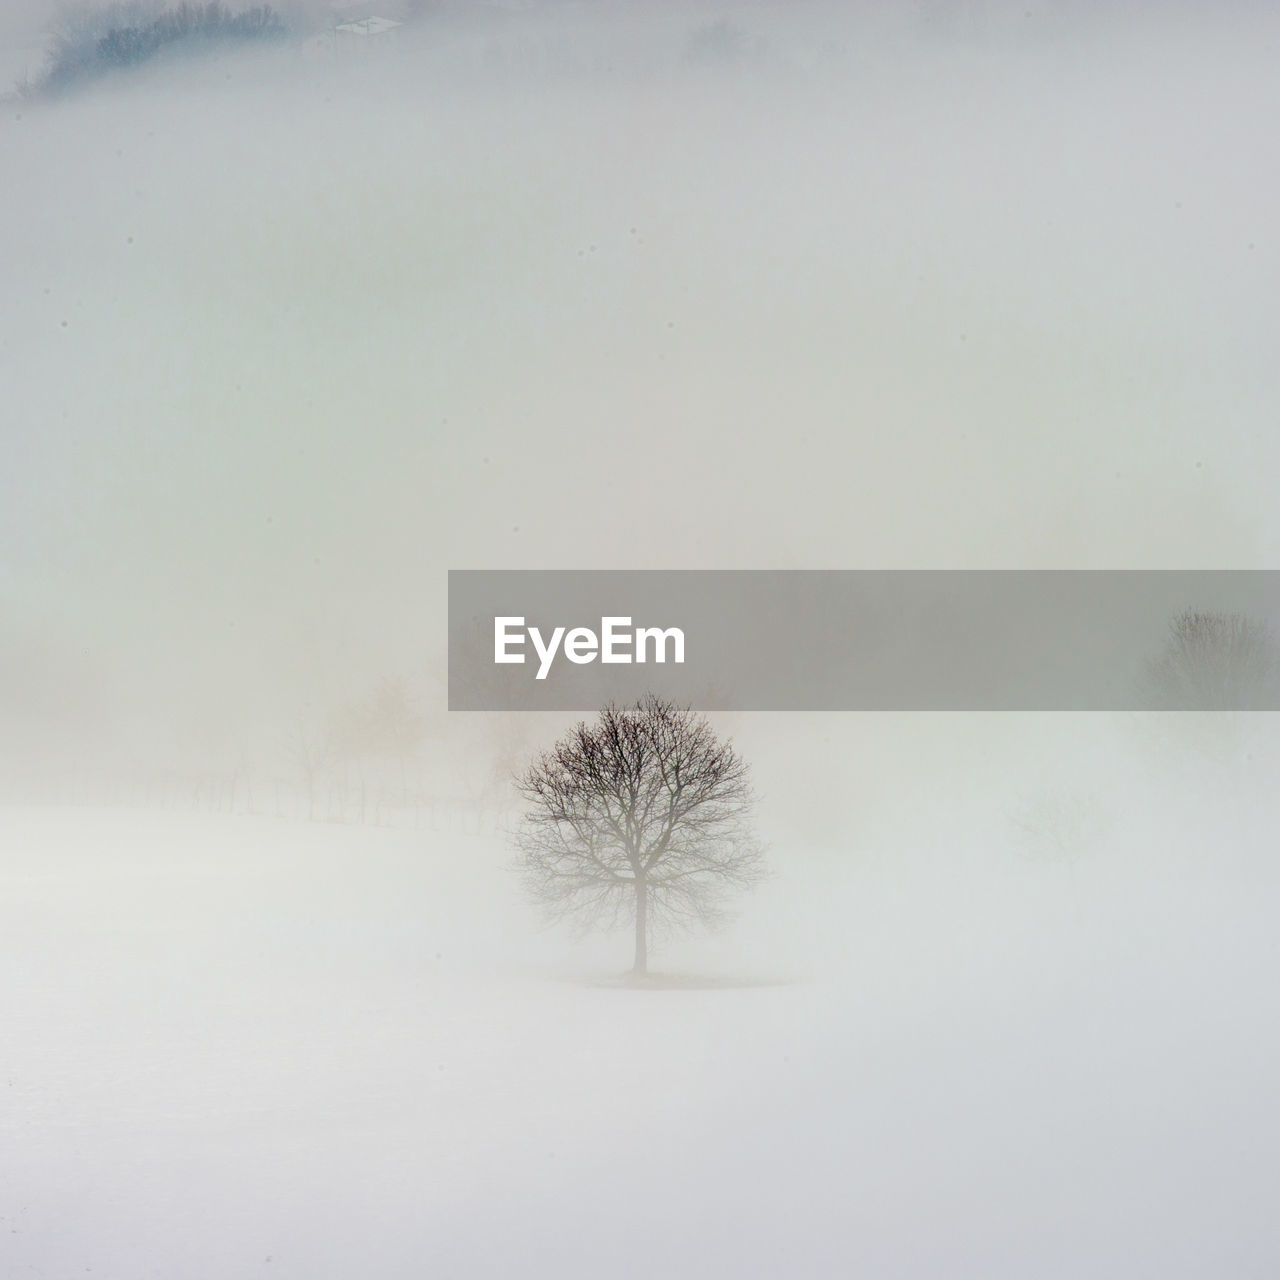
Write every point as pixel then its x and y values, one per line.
pixel 642 927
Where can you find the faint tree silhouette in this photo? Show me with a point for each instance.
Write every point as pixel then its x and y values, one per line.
pixel 1214 662
pixel 313 747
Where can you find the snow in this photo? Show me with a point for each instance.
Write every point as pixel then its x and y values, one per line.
pixel 235 1046
pixel 287 338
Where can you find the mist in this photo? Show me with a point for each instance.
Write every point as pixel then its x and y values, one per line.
pixel 289 332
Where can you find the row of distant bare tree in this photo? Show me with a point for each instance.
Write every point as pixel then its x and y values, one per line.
pixel 369 753
pixel 385 731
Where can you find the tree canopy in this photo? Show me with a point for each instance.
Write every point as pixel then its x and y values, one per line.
pixel 643 815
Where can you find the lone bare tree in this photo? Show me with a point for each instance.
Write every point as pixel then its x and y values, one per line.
pixel 642 815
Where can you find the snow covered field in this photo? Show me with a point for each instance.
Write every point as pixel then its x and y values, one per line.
pixel 236 1047
pixel 285 335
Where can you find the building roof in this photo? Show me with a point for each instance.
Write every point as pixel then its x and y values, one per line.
pixel 370 26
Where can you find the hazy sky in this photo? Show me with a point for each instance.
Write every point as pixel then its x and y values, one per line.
pixel 286 337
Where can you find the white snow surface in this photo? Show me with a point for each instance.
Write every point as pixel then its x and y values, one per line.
pixel 238 1047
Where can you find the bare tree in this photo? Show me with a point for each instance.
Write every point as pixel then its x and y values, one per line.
pixel 1058 826
pixel 1214 662
pixel 311 745
pixel 643 815
pixel 394 725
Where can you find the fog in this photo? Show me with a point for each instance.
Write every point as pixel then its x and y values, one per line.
pixel 289 332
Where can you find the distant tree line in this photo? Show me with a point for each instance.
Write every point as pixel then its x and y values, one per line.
pixel 344 749
pixel 92 42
